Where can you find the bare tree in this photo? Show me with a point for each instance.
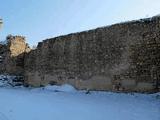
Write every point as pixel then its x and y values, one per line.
pixel 34 47
pixel 1 22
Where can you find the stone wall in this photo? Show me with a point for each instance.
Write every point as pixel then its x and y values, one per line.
pixel 120 57
pixel 12 55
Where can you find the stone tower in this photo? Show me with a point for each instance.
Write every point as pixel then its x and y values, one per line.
pixel 13 55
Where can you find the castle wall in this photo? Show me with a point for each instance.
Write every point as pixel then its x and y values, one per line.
pixel 121 57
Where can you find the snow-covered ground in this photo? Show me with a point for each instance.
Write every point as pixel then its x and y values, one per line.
pixel 65 103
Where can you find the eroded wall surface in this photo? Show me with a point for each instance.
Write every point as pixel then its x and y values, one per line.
pixel 121 57
pixel 12 55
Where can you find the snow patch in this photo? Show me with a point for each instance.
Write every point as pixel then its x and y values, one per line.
pixel 26 104
pixel 62 88
pixel 10 81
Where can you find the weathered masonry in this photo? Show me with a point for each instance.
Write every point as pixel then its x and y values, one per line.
pixel 122 57
pixel 12 55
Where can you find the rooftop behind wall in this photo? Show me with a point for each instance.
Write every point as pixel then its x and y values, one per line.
pixel 120 57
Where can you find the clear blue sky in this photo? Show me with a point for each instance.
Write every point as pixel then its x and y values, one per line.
pixel 41 19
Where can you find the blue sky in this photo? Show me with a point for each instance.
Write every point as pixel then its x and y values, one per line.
pixel 42 19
